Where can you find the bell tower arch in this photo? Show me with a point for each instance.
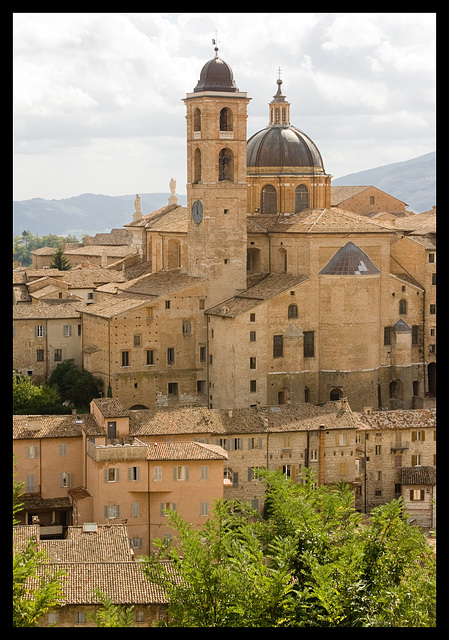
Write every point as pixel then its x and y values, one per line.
pixel 216 117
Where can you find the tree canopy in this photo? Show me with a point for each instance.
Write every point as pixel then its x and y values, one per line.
pixel 310 561
pixel 75 384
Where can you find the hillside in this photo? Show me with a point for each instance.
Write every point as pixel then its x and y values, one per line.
pixel 88 213
pixel 412 181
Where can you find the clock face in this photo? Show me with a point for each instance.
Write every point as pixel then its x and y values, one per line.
pixel 197 211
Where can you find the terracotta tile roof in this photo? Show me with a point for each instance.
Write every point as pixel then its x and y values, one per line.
pixel 397 419
pixel 171 217
pixel 334 220
pixel 419 475
pixel 306 417
pixel 124 582
pixel 184 451
pixel 268 287
pixel 44 311
pixel 341 193
pixel 111 407
pixel 113 306
pixel 64 426
pixel 109 543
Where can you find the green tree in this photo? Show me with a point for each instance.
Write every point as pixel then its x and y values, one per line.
pixel 27 242
pixel 27 396
pixel 59 261
pixel 110 614
pixel 35 590
pixel 312 561
pixel 75 384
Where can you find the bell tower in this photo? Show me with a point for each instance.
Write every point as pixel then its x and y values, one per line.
pixel 216 181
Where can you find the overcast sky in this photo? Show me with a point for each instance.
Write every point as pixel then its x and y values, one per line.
pixel 98 96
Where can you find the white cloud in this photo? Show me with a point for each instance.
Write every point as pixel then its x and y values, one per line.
pixel 98 96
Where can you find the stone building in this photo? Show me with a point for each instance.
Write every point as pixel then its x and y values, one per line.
pixel 296 300
pixel 114 464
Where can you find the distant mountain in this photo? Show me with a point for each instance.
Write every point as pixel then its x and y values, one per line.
pixel 88 213
pixel 412 181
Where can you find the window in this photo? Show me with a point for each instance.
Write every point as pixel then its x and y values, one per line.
pixel 202 354
pixel 62 449
pixel 52 618
pixel 186 328
pixel 79 617
pixel 416 334
pixel 293 311
pixel 252 386
pixel 378 449
pixel 226 119
pixel 65 479
pixel 314 455
pixel 137 339
pixel 112 430
pixel 180 473
pixel 140 614
pixel 252 336
pixel 204 508
pixel 111 511
pixel 125 358
pixel 278 346
pixel 252 363
pixel 39 355
pixel 434 278
pixel 30 483
pixel 201 303
pixel 196 167
pixel 341 439
pixel 135 509
pixel 416 460
pixel 133 473
pixel 387 335
pixel 416 494
pixel 431 257
pixel 167 304
pixel 40 331
pixel 149 313
pixel 172 388
pixel 226 165
pixel 433 308
pixel 157 474
pixel 32 452
pixel 204 472
pixel 287 470
pixel 170 355
pixel 301 198
pixel 197 120
pixel 58 355
pixel 309 344
pixel 67 330
pixel 342 468
pixel 371 199
pixel 268 199
pixel 90 295
pixel 111 474
pixel 252 473
pixel 167 506
pixel 254 443
pixel 418 436
pixel 402 307
pixel 230 477
pixel 252 317
pixel 150 356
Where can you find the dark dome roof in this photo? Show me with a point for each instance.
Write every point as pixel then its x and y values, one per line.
pixel 216 75
pixel 282 146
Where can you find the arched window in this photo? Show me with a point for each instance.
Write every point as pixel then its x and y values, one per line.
pixel 197 120
pixel 403 307
pixel 293 311
pixel 301 198
pixel 268 199
pixel 197 166
pixel 226 123
pixel 226 165
pixel 228 476
pixel 335 394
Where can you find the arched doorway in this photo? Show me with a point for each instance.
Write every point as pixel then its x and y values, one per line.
pixel 283 396
pixel 335 394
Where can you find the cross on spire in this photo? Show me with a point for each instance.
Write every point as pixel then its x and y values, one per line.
pixel 279 72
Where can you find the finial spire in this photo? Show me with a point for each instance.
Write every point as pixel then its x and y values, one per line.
pixel 215 42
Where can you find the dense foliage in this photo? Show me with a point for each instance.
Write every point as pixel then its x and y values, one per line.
pixel 31 398
pixel 311 561
pixel 74 384
pixel 27 242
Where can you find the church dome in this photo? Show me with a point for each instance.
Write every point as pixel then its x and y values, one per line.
pixel 216 75
pixel 282 146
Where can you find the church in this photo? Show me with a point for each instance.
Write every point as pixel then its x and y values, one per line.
pixel 261 291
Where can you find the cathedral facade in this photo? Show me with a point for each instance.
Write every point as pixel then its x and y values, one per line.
pixel 260 292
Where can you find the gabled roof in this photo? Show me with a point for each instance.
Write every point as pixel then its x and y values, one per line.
pixel 267 288
pixel 350 260
pixel 341 193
